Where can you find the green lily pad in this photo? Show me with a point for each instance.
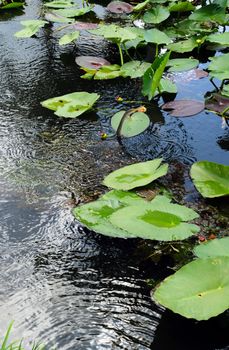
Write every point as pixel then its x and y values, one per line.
pixel 68 38
pixel 156 36
pixel 136 175
pixel 211 179
pixel 141 5
pixel 182 64
pixel 158 220
pixel 213 248
pixel 73 12
pixel 59 4
pixel 183 45
pixel 71 105
pixel 219 38
pixel 211 12
pixel 166 85
pixel 133 125
pixel 134 69
pixel 198 290
pixel 12 5
pixel 219 66
pixel 183 6
pixel 156 15
pixel 124 197
pixel 115 33
pixel 31 28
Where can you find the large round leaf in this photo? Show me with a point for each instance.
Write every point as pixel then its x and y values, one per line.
pixel 183 108
pixel 135 175
pixel 211 179
pixel 132 125
pixel 181 64
pixel 91 62
pixel 119 7
pixel 216 247
pixel 158 220
pixel 156 15
pixel 198 290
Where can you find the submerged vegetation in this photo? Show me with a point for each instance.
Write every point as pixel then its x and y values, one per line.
pixel 175 32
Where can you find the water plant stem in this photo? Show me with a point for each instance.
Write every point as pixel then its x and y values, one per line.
pixel 120 53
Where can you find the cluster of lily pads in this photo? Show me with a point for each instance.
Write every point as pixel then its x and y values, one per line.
pixel 198 290
pixel 10 4
pixel 171 28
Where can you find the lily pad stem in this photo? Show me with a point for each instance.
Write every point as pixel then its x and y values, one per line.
pixel 120 53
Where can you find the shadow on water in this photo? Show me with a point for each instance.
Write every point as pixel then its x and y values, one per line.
pixel 60 283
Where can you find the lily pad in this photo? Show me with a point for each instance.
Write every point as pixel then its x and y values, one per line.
pixel 198 290
pixel 156 36
pixel 135 175
pixel 182 64
pixel 166 85
pixel 31 28
pixel 115 33
pixel 84 25
pixel 71 105
pixel 210 249
pixel 133 125
pixel 134 69
pixel 183 108
pixel 68 38
pixel 156 15
pixel 52 17
pixel 218 103
pixel 12 5
pixel 73 12
pixel 211 12
pixel 119 7
pixel 219 38
pixel 59 4
pixel 158 220
pixel 183 45
pixel 211 179
pixel 219 66
pixel 91 62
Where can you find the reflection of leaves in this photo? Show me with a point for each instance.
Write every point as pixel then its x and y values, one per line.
pixel 183 108
pixel 119 7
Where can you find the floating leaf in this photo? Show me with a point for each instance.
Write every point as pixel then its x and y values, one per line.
pixel 183 6
pixel 183 108
pixel 71 105
pixel 219 38
pixel 73 12
pixel 156 36
pixel 219 66
pixel 158 220
pixel 119 7
pixel 11 5
pixel 218 103
pixel 211 179
pixel 134 69
pixel 59 4
pixel 184 45
pixel 115 33
pixel 124 197
pixel 135 175
pixel 225 91
pixel 153 75
pixel 91 62
pixel 68 38
pixel 156 15
pixel 181 64
pixel 133 125
pixel 51 17
pixel 213 248
pixel 212 12
pixel 31 28
pixel 84 25
pixel 108 72
pixel 141 5
pixel 198 290
pixel 166 85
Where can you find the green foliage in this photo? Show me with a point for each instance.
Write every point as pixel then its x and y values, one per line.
pixel 11 5
pixel 72 12
pixel 198 290
pixel 157 220
pixel 59 4
pixel 68 38
pixel 219 66
pixel 156 15
pixel 211 179
pixel 184 45
pixel 183 6
pixel 156 36
pixel 213 248
pixel 212 12
pixel 166 85
pixel 31 28
pixel 153 75
pixel 219 38
pixel 134 69
pixel 115 33
pixel 136 175
pixel 71 105
pixel 182 64
pixel 133 125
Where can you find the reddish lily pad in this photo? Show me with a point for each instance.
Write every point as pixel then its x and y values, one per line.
pixel 119 7
pixel 91 62
pixel 183 108
pixel 217 103
pixel 84 25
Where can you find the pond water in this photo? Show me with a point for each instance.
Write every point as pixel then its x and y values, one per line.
pixel 61 284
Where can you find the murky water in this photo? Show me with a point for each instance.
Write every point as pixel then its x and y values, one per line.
pixel 61 284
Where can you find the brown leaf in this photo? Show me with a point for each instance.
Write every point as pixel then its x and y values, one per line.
pixel 217 103
pixel 183 108
pixel 119 7
pixel 91 62
pixel 84 25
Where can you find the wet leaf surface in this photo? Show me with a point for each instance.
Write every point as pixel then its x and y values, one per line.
pixel 183 108
pixel 119 7
pixel 217 103
pixel 91 62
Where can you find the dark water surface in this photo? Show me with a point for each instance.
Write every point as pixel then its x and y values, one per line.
pixel 59 283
